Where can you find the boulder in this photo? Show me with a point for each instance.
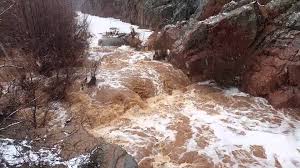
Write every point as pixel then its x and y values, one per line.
pixel 294 21
pixel 216 47
pixel 285 98
pixel 110 156
pixel 112 41
pixel 125 39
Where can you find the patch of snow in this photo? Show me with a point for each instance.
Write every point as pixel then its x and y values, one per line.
pixel 99 25
pixel 125 48
pixel 77 161
pixel 60 114
pixel 14 153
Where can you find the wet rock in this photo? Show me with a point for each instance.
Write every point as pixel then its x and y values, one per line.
pixel 146 163
pixel 133 41
pixel 230 6
pixel 92 82
pixel 285 98
pixel 258 151
pixel 143 87
pixel 247 44
pixel 118 157
pixel 112 41
pixel 209 8
pixel 164 40
pixel 294 21
pixel 193 157
pixel 215 48
pixel 274 71
pixel 294 74
pixel 125 39
pixel 110 156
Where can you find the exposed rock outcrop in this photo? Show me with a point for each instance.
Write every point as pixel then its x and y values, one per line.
pixel 122 39
pixel 250 45
pixel 110 156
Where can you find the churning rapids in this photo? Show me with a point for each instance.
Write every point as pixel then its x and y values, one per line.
pixel 154 112
pixel 193 125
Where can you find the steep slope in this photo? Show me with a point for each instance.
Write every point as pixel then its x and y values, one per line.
pixel 148 13
pixel 250 45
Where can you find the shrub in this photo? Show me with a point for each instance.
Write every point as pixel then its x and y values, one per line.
pixel 46 41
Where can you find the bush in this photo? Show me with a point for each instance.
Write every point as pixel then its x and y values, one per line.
pixel 45 42
pixel 49 31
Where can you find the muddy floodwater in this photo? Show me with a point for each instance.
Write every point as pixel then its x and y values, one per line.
pixel 173 123
pixel 200 125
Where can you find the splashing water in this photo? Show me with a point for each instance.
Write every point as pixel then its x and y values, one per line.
pixel 204 123
pixel 201 126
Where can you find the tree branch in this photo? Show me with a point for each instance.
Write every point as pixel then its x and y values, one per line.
pixel 7 8
pixel 3 50
pixel 10 125
pixel 14 112
pixel 10 66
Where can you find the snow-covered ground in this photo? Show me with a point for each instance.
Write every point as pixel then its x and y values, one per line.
pixel 99 25
pixel 16 153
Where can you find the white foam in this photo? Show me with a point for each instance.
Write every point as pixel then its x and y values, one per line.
pixel 152 126
pixel 226 128
pixel 114 78
pixel 279 141
pixel 235 92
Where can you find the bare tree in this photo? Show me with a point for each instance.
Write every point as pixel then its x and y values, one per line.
pixel 50 44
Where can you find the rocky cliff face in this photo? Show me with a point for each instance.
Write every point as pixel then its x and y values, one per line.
pixel 250 44
pixel 148 13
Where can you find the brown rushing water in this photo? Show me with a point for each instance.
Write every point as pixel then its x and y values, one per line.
pixel 199 125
